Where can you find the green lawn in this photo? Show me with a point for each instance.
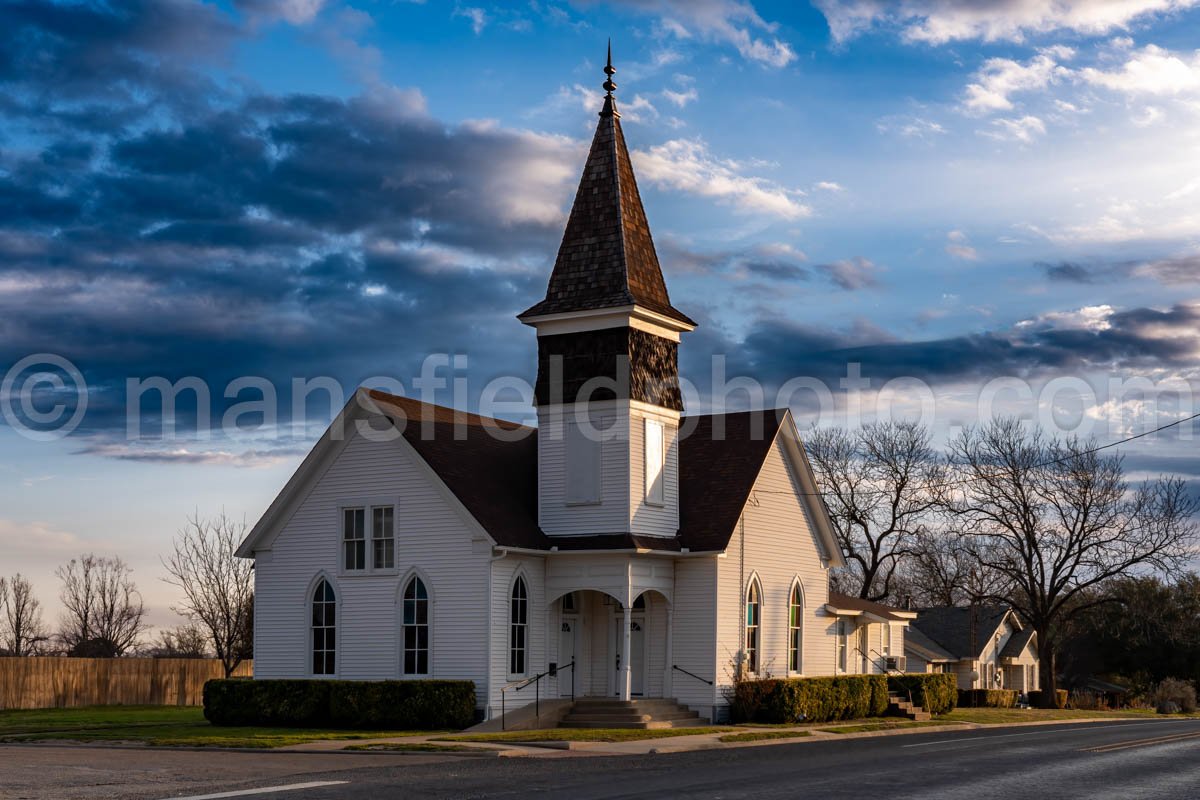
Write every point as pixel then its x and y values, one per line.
pixel 881 726
pixel 159 725
pixel 583 735
pixel 759 736
pixel 993 716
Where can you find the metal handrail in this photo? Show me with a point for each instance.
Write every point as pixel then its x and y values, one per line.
pixel 536 680
pixel 691 674
pixel 883 661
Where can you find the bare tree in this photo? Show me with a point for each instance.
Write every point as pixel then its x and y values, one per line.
pixel 218 587
pixel 185 641
pixel 103 613
pixel 21 629
pixel 943 569
pixel 1058 521
pixel 876 483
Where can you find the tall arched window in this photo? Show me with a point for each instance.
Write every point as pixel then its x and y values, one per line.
pixel 753 620
pixel 796 630
pixel 518 619
pixel 416 628
pixel 324 624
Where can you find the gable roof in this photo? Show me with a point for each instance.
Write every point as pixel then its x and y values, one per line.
pixel 1016 643
pixel 925 647
pixel 961 631
pixel 853 606
pixel 607 257
pixel 489 466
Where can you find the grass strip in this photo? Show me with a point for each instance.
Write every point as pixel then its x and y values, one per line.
pixel 759 736
pixel 583 735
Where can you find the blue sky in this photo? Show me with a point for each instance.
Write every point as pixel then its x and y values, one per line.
pixel 951 190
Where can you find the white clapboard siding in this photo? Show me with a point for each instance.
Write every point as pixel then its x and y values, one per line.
pixel 694 639
pixel 429 533
pixel 648 519
pixel 504 573
pixel 775 542
pixel 611 514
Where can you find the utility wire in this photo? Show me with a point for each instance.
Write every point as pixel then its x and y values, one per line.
pixel 1039 465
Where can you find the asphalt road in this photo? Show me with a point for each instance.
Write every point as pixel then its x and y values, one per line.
pixel 1100 761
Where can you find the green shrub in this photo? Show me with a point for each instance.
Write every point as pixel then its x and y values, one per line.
pixel 1035 698
pixel 934 692
pixel 398 705
pixel 987 698
pixel 793 700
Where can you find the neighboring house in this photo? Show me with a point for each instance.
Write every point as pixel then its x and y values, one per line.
pixel 638 550
pixel 987 641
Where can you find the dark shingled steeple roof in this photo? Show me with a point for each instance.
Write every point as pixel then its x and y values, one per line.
pixel 607 257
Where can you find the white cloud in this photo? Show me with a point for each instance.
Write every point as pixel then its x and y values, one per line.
pixel 852 274
pixel 687 165
pixel 477 16
pixel 1151 70
pixel 941 21
pixel 910 127
pixel 732 22
pixel 829 186
pixel 296 12
pixel 958 246
pixel 681 99
pixel 1020 129
pixel 1087 318
pixel 999 78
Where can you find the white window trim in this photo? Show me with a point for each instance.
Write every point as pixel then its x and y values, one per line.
pixel 755 586
pixel 337 626
pixel 429 593
pixel 510 624
pixel 649 424
pixel 796 584
pixel 368 504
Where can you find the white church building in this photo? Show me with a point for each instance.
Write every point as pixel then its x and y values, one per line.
pixel 622 547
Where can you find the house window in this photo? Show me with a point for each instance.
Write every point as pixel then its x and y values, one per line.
pixel 753 619
pixel 518 628
pixel 324 623
pixel 796 630
pixel 416 628
pixel 568 603
pixel 583 464
pixel 842 644
pixel 886 645
pixel 354 542
pixel 654 462
pixel 383 537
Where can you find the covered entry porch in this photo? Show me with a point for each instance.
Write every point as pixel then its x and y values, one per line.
pixel 609 627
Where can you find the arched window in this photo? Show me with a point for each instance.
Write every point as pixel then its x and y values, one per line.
pixel 518 618
pixel 416 628
pixel 796 630
pixel 753 620
pixel 324 623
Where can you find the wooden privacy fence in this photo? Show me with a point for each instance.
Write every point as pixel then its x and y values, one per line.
pixel 57 682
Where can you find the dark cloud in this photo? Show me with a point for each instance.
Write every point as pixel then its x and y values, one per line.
pixel 1068 272
pixel 852 274
pixel 1173 271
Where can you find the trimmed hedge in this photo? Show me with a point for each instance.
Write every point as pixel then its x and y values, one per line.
pixel 934 692
pixel 396 705
pixel 1035 698
pixel 987 698
pixel 790 700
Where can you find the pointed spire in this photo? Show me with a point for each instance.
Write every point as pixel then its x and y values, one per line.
pixel 609 86
pixel 607 257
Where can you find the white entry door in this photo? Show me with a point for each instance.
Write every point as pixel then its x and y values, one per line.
pixel 567 639
pixel 637 663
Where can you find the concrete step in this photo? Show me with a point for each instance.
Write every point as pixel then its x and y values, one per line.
pixel 652 725
pixel 645 713
pixel 614 720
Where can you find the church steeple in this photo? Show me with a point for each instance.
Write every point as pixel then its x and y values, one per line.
pixel 607 258
pixel 608 395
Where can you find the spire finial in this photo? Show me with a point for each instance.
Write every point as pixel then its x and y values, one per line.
pixel 609 69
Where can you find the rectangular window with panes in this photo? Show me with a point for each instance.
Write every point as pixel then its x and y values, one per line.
pixel 354 539
pixel 383 538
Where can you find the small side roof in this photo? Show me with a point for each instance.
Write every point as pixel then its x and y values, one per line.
pixel 925 647
pixel 1017 643
pixel 843 605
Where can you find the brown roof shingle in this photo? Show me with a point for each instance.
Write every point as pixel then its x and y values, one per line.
pixel 607 257
pixel 491 467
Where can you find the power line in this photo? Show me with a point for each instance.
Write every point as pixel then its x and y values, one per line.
pixel 1039 465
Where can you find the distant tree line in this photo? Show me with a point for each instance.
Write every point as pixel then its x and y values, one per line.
pixel 1049 526
pixel 103 615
